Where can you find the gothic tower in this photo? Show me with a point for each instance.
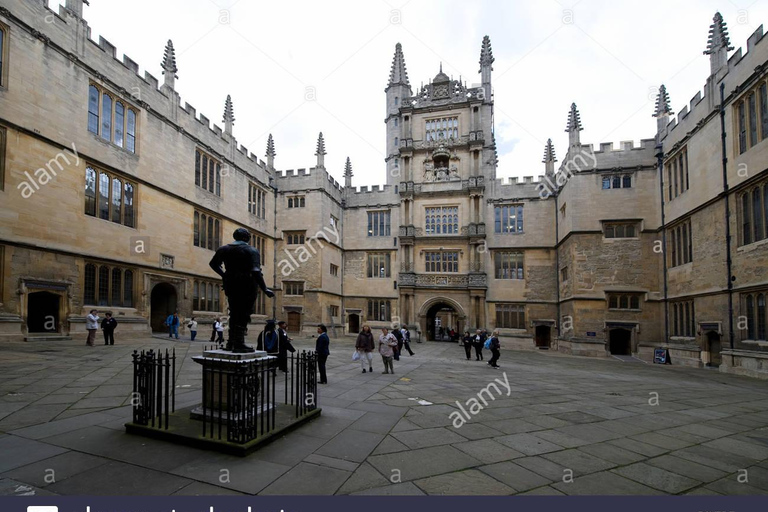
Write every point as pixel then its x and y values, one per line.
pixel 398 89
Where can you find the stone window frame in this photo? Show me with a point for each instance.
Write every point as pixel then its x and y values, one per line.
pixel 682 319
pixel 3 152
pixel 441 220
pixel 435 134
pixel 210 179
pixel 438 261
pixel 257 200
pixel 293 288
pixel 750 117
pixel 624 301
pixel 681 243
pixel 334 270
pixel 616 181
pixel 199 301
pixel 564 274
pixel 510 315
pixel 127 108
pixel 93 287
pixel 380 260
pixel 516 267
pixel 296 201
pixel 126 220
pixel 295 237
pixel 504 226
pixel 754 307
pixel 206 231
pixel 613 228
pixel 748 227
pixel 677 173
pixel 335 310
pixel 379 223
pixel 379 310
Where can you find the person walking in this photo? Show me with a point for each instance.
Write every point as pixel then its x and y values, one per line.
pixel 365 346
pixel 219 326
pixel 213 329
pixel 192 327
pixel 283 346
pixel 495 349
pixel 478 341
pixel 387 346
pixel 322 348
pixel 91 324
pixel 467 340
pixel 173 325
pixel 399 337
pixel 108 328
pixel 406 339
pixel 268 339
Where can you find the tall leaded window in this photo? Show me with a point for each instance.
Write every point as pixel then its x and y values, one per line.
pixel 103 298
pixel 207 173
pixel 677 172
pixel 510 316
pixel 131 131
pixel 128 289
pixel 742 128
pixel 109 197
pixel 93 109
pixel 754 307
pixel 446 128
pixel 89 284
pixel 683 319
pixel 441 261
pixel 106 116
pixel 206 231
pixel 111 118
pixel 442 220
pixel 3 143
pixel 379 310
pixel 753 209
pixel 257 201
pixel 752 106
pixel 763 92
pixel 508 219
pixel 681 243
pixel 509 265
pixel 205 296
pixel 379 265
pixel 119 123
pixel 3 33
pixel 378 223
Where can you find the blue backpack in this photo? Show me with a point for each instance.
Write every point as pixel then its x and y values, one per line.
pixel 270 341
pixel 487 344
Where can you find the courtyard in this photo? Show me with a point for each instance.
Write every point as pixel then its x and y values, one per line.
pixel 559 425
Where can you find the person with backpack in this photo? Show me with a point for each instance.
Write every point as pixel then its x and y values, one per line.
pixel 268 339
pixel 192 328
pixel 495 346
pixel 467 340
pixel 364 346
pixel 399 337
pixel 478 341
pixel 406 339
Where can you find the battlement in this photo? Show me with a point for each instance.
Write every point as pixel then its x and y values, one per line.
pixel 625 145
pixel 387 189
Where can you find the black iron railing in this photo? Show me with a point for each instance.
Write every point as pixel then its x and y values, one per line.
pixel 154 384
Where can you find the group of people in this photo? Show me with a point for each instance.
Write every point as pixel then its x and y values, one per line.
pixel 108 326
pixel 479 341
pixel 217 328
pixel 390 346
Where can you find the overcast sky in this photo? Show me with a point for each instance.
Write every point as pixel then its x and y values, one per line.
pixel 297 68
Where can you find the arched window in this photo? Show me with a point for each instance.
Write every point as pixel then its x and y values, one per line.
pixel 89 284
pixel 203 230
pixel 205 172
pixel 128 289
pixel 119 123
pixel 117 200
pixel 117 288
pixel 750 317
pixel 197 168
pixel 106 116
pixel 218 179
pixel 93 109
pixel 210 233
pixel 129 217
pixel 103 298
pixel 211 167
pixel 196 230
pixel 131 132
pixel 196 297
pixel 103 196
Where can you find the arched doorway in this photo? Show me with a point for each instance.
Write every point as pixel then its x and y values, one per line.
pixel 543 336
pixel 43 312
pixel 162 304
pixel 354 323
pixel 440 318
pixel 620 342
pixel 713 347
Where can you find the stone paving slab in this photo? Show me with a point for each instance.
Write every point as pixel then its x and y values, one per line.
pixel 464 483
pixel 119 479
pixel 55 469
pixel 516 477
pixel 308 479
pixel 657 478
pixel 19 452
pixel 425 462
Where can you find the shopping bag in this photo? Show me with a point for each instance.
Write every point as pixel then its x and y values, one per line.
pixel 355 355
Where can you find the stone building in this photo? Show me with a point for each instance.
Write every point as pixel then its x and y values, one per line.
pixel 113 196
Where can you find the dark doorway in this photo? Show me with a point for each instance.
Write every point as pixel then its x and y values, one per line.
pixel 441 319
pixel 294 321
pixel 620 342
pixel 162 304
pixel 713 347
pixel 543 336
pixel 354 323
pixel 43 312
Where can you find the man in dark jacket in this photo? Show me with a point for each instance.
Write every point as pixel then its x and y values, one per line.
pixel 108 326
pixel 399 337
pixel 322 349
pixel 478 341
pixel 284 346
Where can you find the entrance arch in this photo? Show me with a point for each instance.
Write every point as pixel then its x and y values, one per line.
pixel 43 312
pixel 448 313
pixel 163 303
pixel 543 336
pixel 354 323
pixel 620 342
pixel 713 347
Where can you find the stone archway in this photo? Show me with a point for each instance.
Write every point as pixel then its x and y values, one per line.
pixel 620 342
pixel 443 308
pixel 43 309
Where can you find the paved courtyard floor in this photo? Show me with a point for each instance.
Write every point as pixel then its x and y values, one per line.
pixel 559 425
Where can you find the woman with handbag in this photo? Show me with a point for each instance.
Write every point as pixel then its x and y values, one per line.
pixel 364 347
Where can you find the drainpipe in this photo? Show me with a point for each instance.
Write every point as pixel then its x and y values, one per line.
pixel 660 166
pixel 729 261
pixel 557 264
pixel 274 250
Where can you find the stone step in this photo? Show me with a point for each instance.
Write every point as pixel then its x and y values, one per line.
pixel 49 337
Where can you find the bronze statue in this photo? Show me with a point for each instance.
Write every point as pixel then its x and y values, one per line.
pixel 242 279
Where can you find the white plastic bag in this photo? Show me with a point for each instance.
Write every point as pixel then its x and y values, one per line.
pixel 355 355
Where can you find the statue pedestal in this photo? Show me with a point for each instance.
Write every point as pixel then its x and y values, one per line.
pixel 230 378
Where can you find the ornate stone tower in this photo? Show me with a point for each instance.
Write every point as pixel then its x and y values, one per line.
pixel 573 128
pixel 169 66
pixel 398 88
pixel 320 152
pixel 270 153
pixel 549 161
pixel 229 116
pixel 662 113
